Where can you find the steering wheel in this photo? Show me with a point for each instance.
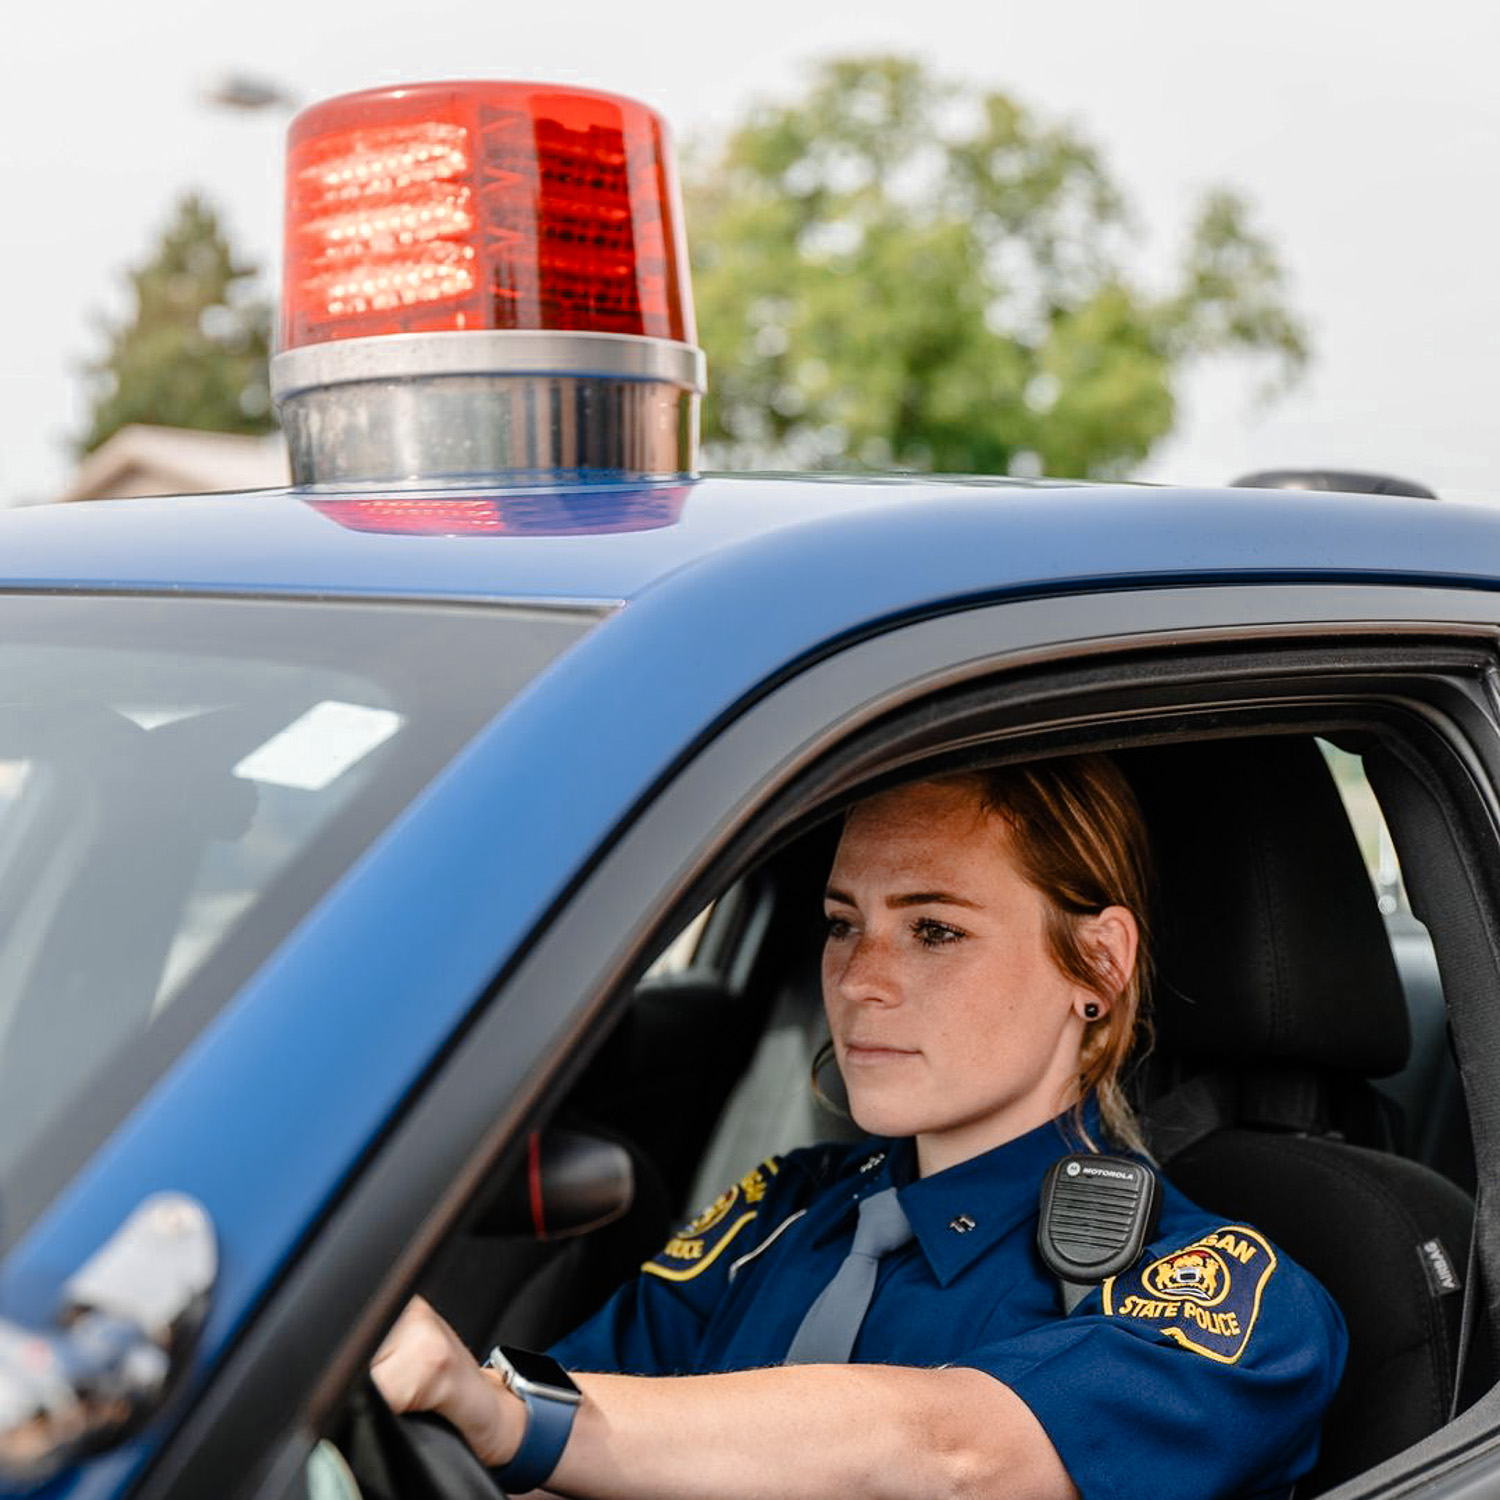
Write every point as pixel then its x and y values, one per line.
pixel 446 1461
pixel 414 1457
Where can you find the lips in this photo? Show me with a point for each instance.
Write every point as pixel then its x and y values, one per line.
pixel 875 1052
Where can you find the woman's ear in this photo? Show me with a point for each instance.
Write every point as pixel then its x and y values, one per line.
pixel 1113 937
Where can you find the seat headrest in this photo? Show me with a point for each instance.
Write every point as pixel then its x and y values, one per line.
pixel 1270 944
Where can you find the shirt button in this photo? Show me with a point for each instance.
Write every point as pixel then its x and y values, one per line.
pixel 962 1224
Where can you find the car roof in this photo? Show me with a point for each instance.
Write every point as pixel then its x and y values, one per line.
pixel 896 543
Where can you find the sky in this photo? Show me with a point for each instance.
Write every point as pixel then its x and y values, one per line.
pixel 1364 133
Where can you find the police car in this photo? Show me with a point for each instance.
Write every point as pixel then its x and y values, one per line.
pixel 408 880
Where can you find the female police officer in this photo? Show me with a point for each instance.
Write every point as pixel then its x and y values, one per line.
pixel 876 1320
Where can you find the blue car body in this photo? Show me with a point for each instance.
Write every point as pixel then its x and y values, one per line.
pixel 693 601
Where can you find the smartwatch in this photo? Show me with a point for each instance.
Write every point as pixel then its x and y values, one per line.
pixel 551 1401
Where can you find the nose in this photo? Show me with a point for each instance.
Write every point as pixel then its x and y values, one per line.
pixel 861 970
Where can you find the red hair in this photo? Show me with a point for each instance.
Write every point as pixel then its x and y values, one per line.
pixel 1076 832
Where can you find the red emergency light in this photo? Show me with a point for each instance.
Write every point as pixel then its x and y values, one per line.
pixel 485 232
pixel 482 205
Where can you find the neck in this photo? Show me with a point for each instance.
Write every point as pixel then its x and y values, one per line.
pixel 940 1149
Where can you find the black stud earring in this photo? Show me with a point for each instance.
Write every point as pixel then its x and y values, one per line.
pixel 1091 1011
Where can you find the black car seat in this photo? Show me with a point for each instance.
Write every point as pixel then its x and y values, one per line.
pixel 1276 1000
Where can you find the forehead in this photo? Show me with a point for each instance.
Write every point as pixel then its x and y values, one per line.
pixel 930 824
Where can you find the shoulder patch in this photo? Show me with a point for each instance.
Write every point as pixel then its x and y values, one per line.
pixel 1205 1296
pixel 696 1245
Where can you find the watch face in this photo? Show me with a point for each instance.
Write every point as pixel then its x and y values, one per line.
pixel 542 1372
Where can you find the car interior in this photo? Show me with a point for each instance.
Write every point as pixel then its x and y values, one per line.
pixel 1299 1077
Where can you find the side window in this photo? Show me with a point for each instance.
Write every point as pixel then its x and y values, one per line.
pixel 1426 1092
pixel 1369 828
pixel 678 956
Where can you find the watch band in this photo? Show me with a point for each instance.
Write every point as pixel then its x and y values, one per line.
pixel 549 1422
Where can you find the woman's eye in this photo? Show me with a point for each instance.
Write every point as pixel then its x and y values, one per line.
pixel 837 928
pixel 932 934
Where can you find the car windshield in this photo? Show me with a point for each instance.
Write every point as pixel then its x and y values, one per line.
pixel 179 780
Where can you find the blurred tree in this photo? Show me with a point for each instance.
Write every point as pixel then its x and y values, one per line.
pixel 195 352
pixel 894 271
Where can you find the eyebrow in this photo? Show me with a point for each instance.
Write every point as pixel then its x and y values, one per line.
pixel 909 898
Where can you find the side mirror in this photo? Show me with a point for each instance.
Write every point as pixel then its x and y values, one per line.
pixel 125 1329
pixel 572 1182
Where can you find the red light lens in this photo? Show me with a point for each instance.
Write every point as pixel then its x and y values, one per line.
pixel 482 205
pixel 602 512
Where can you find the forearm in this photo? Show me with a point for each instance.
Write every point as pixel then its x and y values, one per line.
pixel 807 1431
pixel 799 1432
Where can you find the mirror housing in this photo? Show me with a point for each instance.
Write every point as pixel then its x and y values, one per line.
pixel 571 1183
pixel 124 1331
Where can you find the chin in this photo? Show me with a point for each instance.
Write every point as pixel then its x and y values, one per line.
pixel 878 1115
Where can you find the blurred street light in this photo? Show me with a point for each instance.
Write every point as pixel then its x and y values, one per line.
pixel 244 91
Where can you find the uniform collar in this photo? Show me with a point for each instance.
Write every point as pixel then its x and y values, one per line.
pixel 959 1214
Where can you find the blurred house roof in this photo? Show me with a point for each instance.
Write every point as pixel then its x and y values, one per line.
pixel 141 460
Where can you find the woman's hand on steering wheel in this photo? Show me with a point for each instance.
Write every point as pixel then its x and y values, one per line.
pixel 423 1366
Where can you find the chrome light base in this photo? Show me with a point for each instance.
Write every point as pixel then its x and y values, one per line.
pixel 535 407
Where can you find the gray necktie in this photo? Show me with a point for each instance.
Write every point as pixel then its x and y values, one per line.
pixel 827 1334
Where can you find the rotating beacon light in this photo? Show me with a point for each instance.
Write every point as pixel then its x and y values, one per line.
pixel 485 278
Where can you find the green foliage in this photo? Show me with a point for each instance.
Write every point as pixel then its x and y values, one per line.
pixel 195 352
pixel 895 271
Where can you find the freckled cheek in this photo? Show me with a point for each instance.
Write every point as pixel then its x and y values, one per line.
pixel 991 1015
pixel 975 1039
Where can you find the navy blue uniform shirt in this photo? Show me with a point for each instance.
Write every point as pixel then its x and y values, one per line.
pixel 1202 1371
